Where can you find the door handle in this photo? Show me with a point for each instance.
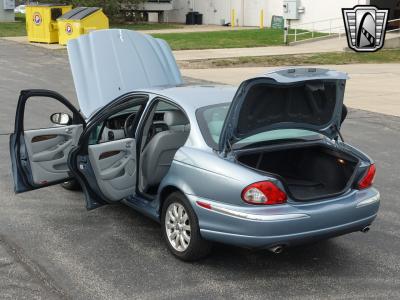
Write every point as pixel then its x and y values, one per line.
pixel 114 170
pixel 49 154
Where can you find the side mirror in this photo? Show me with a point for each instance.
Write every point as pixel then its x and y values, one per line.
pixel 61 119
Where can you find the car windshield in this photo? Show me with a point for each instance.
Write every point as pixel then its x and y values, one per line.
pixel 211 119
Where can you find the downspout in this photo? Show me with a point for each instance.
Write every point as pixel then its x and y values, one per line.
pixel 242 12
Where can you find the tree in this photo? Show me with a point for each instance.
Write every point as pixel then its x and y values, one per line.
pixel 112 8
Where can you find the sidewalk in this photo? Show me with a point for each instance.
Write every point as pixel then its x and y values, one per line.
pixel 196 28
pixel 327 45
pixel 320 46
pixel 372 87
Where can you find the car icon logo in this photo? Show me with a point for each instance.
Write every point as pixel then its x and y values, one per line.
pixel 365 27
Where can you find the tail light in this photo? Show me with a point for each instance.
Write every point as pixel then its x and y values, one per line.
pixel 368 178
pixel 263 193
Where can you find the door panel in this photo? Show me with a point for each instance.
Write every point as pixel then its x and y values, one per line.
pixel 114 166
pixel 48 149
pixel 39 157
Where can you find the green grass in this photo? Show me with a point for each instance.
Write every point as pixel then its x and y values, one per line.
pixel 223 39
pixel 147 26
pixel 185 41
pixel 16 28
pixel 228 39
pixel 332 58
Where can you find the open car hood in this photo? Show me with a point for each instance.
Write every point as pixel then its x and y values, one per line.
pixel 296 98
pixel 106 64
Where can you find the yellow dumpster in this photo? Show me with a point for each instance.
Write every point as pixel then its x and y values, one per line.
pixel 80 20
pixel 41 21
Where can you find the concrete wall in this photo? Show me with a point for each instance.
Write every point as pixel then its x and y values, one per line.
pixel 6 15
pixel 248 11
pixel 327 14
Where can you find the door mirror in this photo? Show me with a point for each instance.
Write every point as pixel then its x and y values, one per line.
pixel 61 119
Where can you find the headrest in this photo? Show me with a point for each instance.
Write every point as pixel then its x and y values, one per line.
pixel 175 117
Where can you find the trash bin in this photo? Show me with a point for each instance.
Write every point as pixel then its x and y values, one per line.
pixel 41 21
pixel 80 20
pixel 198 19
pixel 191 17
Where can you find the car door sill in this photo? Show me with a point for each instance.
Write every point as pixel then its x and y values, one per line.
pixel 144 206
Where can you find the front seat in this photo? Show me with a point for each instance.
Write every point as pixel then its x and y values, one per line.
pixel 158 154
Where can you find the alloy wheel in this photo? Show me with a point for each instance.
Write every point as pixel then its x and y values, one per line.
pixel 177 226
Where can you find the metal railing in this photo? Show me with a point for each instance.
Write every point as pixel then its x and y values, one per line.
pixel 317 30
pixel 395 22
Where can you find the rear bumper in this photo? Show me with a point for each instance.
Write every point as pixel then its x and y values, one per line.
pixel 289 224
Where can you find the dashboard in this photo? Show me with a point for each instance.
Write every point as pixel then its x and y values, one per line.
pixel 113 128
pixel 118 122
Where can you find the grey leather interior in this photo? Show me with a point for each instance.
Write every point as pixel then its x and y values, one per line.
pixel 48 150
pixel 158 154
pixel 114 166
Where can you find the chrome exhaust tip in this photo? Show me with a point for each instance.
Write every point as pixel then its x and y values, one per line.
pixel 365 229
pixel 277 249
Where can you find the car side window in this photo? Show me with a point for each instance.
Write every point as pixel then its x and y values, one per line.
pixel 164 116
pixel 43 108
pixel 114 127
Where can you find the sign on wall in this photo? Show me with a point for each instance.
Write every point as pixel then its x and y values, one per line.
pixel 277 22
pixel 9 4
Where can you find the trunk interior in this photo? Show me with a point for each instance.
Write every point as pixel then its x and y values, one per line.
pixel 308 172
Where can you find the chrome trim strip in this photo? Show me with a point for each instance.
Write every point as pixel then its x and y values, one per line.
pixel 369 201
pixel 254 217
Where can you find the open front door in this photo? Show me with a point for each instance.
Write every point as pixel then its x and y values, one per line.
pixel 39 156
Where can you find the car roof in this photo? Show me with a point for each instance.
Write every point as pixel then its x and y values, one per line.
pixel 192 97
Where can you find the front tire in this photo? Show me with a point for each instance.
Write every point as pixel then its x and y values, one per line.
pixel 180 229
pixel 71 185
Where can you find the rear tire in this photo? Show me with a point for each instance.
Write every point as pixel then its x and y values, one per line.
pixel 180 229
pixel 71 185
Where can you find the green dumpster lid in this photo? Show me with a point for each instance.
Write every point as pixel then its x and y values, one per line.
pixel 78 13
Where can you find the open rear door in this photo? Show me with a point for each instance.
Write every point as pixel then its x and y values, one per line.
pixel 39 157
pixel 106 167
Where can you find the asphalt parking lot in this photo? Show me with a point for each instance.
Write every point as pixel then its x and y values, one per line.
pixel 52 248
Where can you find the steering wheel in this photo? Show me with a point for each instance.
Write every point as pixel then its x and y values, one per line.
pixel 128 125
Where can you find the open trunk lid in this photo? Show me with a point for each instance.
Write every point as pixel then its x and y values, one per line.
pixel 299 98
pixel 106 64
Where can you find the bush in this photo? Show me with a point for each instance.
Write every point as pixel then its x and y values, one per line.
pixel 112 8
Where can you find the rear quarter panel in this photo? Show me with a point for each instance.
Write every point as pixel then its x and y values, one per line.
pixel 205 174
